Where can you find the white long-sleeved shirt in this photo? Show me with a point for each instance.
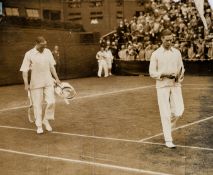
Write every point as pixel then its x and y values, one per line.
pixel 166 62
pixel 108 55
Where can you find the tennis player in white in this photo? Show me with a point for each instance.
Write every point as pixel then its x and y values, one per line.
pixel 102 64
pixel 166 66
pixel 41 63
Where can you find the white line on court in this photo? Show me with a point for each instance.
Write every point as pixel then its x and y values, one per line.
pixel 180 127
pixel 103 94
pixel 87 96
pixel 198 88
pixel 182 146
pixel 193 84
pixel 144 141
pixel 128 169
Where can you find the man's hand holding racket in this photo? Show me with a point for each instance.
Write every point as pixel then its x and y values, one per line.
pixel 57 82
pixel 65 90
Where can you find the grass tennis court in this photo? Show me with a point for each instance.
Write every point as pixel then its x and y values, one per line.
pixel 112 127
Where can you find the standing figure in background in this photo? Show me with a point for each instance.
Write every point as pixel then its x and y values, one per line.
pixel 191 53
pixel 109 59
pixel 210 50
pixel 166 66
pixel 102 64
pixel 56 56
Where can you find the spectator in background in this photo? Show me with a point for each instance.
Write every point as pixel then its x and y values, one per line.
pixel 102 64
pixel 141 54
pixel 148 52
pixel 130 53
pixel 191 52
pixel 200 49
pixel 114 49
pixel 109 59
pixel 123 53
pixel 181 18
pixel 183 50
pixel 121 30
pixel 56 56
pixel 210 50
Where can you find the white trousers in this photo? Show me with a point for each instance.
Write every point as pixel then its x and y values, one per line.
pixel 38 95
pixel 102 65
pixel 170 102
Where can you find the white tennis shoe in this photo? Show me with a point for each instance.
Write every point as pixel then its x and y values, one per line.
pixel 47 125
pixel 40 130
pixel 170 145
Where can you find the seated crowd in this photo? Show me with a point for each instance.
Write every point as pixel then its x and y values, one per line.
pixel 137 38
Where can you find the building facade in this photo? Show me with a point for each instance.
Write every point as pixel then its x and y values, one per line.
pixel 94 15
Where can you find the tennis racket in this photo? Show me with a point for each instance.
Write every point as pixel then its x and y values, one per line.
pixel 66 91
pixel 31 117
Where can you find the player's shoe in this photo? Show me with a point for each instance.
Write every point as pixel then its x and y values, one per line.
pixel 47 125
pixel 170 145
pixel 40 130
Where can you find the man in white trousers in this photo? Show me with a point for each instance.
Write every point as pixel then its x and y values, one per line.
pixel 41 63
pixel 102 64
pixel 166 66
pixel 109 59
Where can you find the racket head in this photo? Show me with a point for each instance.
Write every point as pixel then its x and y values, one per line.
pixel 65 90
pixel 68 92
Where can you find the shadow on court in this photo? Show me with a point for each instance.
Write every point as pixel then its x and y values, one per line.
pixel 112 127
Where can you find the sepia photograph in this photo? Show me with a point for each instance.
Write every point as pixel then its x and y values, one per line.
pixel 106 87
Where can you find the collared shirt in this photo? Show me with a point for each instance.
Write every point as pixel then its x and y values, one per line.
pixel 165 62
pixel 108 55
pixel 40 64
pixel 100 55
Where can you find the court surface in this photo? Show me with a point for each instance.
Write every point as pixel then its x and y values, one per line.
pixel 112 127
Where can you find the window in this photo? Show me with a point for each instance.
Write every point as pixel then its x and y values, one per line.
pixel 11 11
pixel 96 3
pixel 74 16
pixel 52 15
pixel 96 15
pixel 119 15
pixel 86 38
pixel 143 2
pixel 32 13
pixel 74 3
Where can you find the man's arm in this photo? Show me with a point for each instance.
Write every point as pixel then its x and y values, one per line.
pixel 25 78
pixel 153 68
pixel 52 67
pixel 55 75
pixel 181 70
pixel 25 67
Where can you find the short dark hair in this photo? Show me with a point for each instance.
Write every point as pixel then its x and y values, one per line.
pixel 166 32
pixel 40 39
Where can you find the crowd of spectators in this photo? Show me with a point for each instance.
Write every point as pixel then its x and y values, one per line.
pixel 137 38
